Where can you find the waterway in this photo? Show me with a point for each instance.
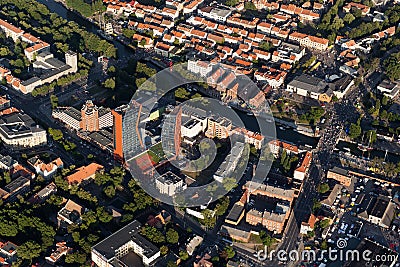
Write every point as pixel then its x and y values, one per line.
pixel 63 12
pixel 343 146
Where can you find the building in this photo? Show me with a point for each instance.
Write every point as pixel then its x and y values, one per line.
pixel 236 214
pixel 255 188
pixel 7 162
pixel 302 170
pixel 230 163
pixel 169 184
pixel 329 201
pixel 84 173
pixel 171 132
pixel 70 214
pixel 277 147
pixel 128 141
pixel 90 117
pixel 250 137
pixel 288 53
pixel 218 127
pixel 377 210
pixel 271 220
pixel 191 127
pixel 309 86
pixel 43 169
pixel 50 69
pixel 17 187
pixel 388 88
pixel 122 247
pixel 193 244
pixel 215 13
pixel 8 253
pixel 199 67
pixel 235 234
pixel 308 225
pixel 309 41
pixel 43 194
pixel 19 130
pixel 61 250
pixel 340 175
pixel 364 9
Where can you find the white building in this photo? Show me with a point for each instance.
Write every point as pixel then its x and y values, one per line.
pixel 214 13
pixel 124 245
pixel 18 129
pixel 169 184
pixel 388 88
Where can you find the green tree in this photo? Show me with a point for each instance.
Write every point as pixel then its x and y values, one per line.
pixel 29 250
pixel 231 2
pixel 355 131
pixel 172 236
pixel 53 101
pixel 348 18
pixel 109 83
pixel 323 188
pixel 265 45
pixel 183 255
pixel 163 250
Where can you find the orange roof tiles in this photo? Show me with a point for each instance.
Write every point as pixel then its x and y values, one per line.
pixel 83 173
pixel 10 27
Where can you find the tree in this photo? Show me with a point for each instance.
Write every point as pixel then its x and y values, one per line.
pixel 323 188
pixel 392 66
pixel 355 131
pixel 228 253
pixel 265 45
pixel 183 255
pixel 249 6
pixel 181 93
pixel 109 83
pixel 172 236
pixel 324 223
pixel 348 18
pixel 53 101
pixel 267 239
pixel 231 2
pixel 29 250
pixel 163 250
pixel 153 234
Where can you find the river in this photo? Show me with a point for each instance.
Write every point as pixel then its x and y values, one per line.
pixel 63 12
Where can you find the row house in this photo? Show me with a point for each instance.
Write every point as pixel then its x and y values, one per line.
pixel 191 6
pixel 288 53
pixel 236 20
pixel 174 5
pixel 264 4
pixel 181 37
pixel 199 67
pixel 261 54
pixel 364 9
pixel 301 171
pixel 277 147
pixel 170 12
pixel 279 32
pixel 280 18
pixel 274 77
pixel 309 41
pixel 250 137
pixel 163 49
pixel 304 14
pixel 143 41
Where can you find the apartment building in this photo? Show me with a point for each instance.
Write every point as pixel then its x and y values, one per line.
pixel 309 41
pixel 123 247
pixel 169 184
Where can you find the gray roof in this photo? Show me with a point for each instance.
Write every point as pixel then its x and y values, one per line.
pixel 30 81
pixel 130 232
pixel 309 83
